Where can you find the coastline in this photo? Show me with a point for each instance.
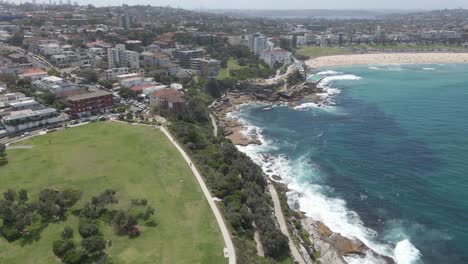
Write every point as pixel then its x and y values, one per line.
pixel 334 247
pixel 387 58
pixel 349 243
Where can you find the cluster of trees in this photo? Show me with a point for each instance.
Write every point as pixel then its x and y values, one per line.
pixel 19 216
pixel 19 213
pixel 233 177
pixel 92 245
pixel 3 155
pixel 89 250
pixel 89 74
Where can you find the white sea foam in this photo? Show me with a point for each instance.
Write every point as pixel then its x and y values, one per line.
pixel 306 106
pixel 305 181
pixel 428 69
pixel 406 253
pixel 329 72
pixel 329 79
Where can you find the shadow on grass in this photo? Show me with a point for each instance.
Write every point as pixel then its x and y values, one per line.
pixel 34 234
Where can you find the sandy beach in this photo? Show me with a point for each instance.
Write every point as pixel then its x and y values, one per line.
pixel 386 58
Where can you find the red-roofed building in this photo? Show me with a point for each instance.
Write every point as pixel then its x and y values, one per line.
pixel 168 99
pixel 141 87
pixel 33 74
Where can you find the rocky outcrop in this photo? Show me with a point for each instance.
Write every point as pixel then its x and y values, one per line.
pixel 247 92
pixel 334 247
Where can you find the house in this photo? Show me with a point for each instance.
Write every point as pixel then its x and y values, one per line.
pixel 169 100
pixel 33 74
pixel 25 119
pixel 54 85
pixel 90 103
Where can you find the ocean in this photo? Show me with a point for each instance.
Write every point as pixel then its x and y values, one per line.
pixel 385 161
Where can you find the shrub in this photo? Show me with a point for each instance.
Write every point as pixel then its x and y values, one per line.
pixel 10 233
pixel 61 247
pixel 73 256
pixel 88 229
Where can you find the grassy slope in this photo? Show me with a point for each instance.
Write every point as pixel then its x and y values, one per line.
pixel 232 65
pixel 138 162
pixel 314 51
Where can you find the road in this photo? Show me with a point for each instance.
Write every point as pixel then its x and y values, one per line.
pixel 284 228
pixel 229 250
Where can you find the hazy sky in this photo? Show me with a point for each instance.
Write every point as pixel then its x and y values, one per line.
pixel 293 4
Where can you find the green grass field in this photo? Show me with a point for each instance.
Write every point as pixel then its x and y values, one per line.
pixel 314 51
pixel 137 162
pixel 232 65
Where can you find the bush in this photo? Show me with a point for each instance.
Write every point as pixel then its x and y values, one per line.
pixel 10 233
pixel 73 256
pixel 61 247
pixel 67 233
pixel 93 244
pixel 88 229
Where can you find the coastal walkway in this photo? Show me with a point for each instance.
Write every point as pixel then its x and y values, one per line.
pixel 215 126
pixel 229 251
pixel 282 223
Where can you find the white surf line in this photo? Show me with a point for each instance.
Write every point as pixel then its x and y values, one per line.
pixel 283 226
pixel 229 251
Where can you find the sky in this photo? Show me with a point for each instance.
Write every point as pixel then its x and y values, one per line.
pixel 292 4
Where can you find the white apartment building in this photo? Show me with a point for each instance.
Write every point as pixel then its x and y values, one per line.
pixel 130 59
pixel 276 56
pixel 25 119
pixel 50 49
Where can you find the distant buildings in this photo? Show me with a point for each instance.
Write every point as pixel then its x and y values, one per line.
pixel 184 56
pixel 208 68
pixel 120 57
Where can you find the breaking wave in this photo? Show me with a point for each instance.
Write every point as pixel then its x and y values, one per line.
pixel 305 180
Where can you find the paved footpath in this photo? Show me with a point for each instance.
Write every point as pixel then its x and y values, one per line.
pixel 284 228
pixel 229 251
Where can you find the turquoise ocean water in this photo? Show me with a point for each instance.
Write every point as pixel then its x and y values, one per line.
pixel 386 161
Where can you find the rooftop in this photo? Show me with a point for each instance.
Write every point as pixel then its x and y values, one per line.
pixel 88 95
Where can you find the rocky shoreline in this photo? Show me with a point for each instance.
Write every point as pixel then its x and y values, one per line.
pixel 234 129
pixel 333 247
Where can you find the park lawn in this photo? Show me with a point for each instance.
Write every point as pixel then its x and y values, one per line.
pixel 231 65
pixel 137 162
pixel 314 51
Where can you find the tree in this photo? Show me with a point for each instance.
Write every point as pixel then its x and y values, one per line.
pixel 89 74
pixel 23 195
pixel 73 256
pixel 67 233
pixel 53 72
pixel 2 150
pixel 61 247
pixel 88 229
pixel 93 244
pixel 10 195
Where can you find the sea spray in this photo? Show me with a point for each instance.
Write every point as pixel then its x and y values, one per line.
pixel 308 190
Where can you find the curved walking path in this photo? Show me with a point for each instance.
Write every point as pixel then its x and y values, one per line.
pixel 215 127
pixel 229 251
pixel 284 228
